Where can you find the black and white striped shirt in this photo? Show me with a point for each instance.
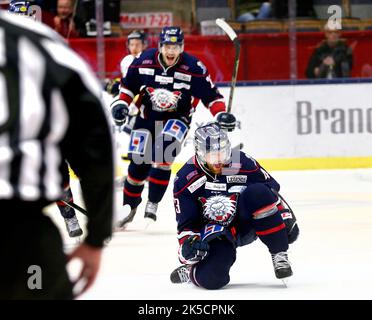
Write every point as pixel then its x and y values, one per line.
pixel 50 110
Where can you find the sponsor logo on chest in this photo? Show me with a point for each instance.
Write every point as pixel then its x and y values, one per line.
pixel 197 184
pixel 216 186
pixel 147 71
pixel 236 179
pixel 163 80
pixel 181 85
pixel 182 76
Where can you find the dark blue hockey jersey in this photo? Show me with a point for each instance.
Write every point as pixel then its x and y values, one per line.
pixel 168 93
pixel 201 198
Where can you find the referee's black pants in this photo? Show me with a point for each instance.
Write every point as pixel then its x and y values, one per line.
pixel 32 261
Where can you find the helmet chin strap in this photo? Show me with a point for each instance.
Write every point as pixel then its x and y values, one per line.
pixel 205 168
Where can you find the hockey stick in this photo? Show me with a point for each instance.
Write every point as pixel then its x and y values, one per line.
pixel 72 19
pixel 75 206
pixel 234 38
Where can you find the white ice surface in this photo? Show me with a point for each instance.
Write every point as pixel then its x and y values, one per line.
pixel 332 258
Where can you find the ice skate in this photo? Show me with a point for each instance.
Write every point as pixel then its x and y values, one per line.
pixel 181 274
pixel 282 266
pixel 122 223
pixel 150 211
pixel 73 227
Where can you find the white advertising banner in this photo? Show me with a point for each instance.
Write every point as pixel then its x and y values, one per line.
pixel 333 120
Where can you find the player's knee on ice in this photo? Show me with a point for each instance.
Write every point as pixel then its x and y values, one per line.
pixel 213 272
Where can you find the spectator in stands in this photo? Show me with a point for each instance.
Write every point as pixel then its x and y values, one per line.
pixel 332 58
pixel 278 9
pixel 65 22
pixel 263 13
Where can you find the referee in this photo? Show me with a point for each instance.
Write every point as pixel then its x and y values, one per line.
pixel 50 110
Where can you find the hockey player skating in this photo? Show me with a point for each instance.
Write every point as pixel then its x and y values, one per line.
pixel 167 81
pixel 224 200
pixel 136 44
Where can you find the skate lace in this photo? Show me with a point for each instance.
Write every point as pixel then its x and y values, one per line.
pixel 183 273
pixel 280 260
pixel 72 223
pixel 151 207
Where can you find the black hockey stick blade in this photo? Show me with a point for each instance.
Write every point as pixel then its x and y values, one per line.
pixel 75 206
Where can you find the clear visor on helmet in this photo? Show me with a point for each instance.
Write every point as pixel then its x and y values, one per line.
pixel 218 157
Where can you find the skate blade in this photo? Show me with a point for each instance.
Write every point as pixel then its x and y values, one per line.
pixel 121 229
pixel 148 223
pixel 285 282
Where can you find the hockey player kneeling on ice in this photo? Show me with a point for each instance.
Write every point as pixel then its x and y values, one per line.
pixel 168 82
pixel 224 200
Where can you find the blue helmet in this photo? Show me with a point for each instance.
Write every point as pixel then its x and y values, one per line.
pixel 211 138
pixel 171 35
pixel 20 7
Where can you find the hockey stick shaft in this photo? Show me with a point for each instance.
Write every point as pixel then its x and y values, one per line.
pixel 234 38
pixel 235 73
pixel 75 206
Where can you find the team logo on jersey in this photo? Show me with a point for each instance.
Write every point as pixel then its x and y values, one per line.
pixel 220 209
pixel 163 99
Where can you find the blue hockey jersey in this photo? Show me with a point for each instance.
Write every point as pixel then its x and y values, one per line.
pixel 170 92
pixel 201 198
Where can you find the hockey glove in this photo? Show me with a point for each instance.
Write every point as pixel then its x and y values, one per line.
pixel 119 111
pixel 226 120
pixel 194 249
pixel 112 86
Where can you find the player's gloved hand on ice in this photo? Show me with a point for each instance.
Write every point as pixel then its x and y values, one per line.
pixel 194 249
pixel 226 120
pixel 119 111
